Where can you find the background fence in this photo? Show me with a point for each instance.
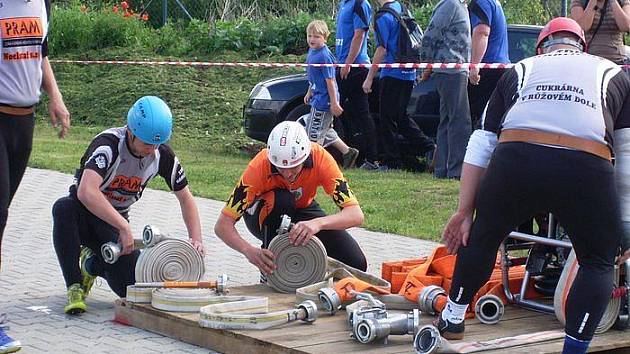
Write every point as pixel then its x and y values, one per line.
pixel 160 11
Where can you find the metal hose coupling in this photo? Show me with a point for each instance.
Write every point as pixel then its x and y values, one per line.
pixel 330 300
pixel 427 298
pixel 374 309
pixel 309 309
pixel 371 329
pixel 428 341
pixel 151 235
pixel 111 252
pixel 489 309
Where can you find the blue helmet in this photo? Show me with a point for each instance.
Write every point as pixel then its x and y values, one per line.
pixel 150 120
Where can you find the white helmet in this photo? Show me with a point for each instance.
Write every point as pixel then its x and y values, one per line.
pixel 288 145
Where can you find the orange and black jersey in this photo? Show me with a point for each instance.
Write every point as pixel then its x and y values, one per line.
pixel 260 176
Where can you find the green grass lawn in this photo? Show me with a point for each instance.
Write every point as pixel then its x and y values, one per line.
pixel 415 205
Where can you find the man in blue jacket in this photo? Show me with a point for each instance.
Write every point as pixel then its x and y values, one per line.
pixel 353 22
pixel 395 90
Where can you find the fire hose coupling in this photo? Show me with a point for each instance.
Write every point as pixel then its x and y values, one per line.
pixel 427 297
pixel 310 311
pixel 361 313
pixel 489 309
pixel 151 235
pixel 428 340
pixel 285 224
pixel 372 329
pixel 111 252
pixel 222 284
pixel 330 300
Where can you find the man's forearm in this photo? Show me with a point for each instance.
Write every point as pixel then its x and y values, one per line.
pixel 469 184
pixel 346 218
pixel 49 83
pixel 225 230
pixel 97 204
pixel 190 214
pixel 355 46
pixel 379 54
pixel 479 44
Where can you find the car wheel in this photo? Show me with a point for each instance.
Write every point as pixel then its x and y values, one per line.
pixel 298 111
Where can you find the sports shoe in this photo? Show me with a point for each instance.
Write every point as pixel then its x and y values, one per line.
pixel 373 166
pixel 88 279
pixel 449 330
pixel 76 300
pixel 7 344
pixel 349 158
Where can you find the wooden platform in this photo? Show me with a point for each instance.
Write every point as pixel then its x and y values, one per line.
pixel 332 335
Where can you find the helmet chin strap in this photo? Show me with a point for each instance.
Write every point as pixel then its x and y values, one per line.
pixel 562 40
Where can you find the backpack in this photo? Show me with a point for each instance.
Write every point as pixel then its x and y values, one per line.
pixel 409 35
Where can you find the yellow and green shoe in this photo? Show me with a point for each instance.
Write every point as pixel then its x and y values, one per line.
pixel 88 279
pixel 76 300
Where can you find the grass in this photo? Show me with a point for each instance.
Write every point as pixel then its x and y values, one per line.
pixel 207 107
pixel 414 205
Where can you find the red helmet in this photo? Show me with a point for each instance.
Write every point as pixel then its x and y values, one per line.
pixel 560 24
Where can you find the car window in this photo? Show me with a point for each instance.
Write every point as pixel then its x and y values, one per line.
pixel 521 45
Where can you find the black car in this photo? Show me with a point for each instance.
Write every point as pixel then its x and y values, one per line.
pixel 281 98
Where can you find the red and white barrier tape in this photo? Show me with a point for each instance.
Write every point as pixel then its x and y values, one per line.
pixel 289 65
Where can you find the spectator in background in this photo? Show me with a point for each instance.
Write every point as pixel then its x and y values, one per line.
pixel 395 91
pixel 322 94
pixel 353 22
pixel 489 45
pixel 447 40
pixel 604 23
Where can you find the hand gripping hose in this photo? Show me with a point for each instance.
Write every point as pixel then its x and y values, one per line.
pixel 169 260
pixel 298 266
pixel 428 341
pixel 246 312
pixel 567 277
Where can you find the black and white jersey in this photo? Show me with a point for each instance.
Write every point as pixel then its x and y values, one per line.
pixel 125 175
pixel 565 92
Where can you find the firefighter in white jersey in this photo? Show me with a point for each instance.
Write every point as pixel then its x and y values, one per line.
pixel 545 143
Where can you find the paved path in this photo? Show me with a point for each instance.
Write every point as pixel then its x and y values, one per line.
pixel 32 290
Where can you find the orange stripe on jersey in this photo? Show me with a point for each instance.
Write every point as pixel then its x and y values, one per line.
pixel 258 179
pixel 21 27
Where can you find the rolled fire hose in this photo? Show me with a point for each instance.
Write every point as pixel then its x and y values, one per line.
pixel 567 277
pixel 220 285
pixel 489 309
pixel 181 300
pixel 142 292
pixel 251 313
pixel 297 266
pixel 428 341
pixel 370 330
pixel 169 260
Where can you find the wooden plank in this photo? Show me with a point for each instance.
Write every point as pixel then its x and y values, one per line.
pixel 331 334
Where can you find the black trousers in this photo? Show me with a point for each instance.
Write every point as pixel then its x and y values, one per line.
pixel 358 123
pixel 264 220
pixel 577 187
pixel 74 226
pixel 479 95
pixel 394 98
pixel 16 141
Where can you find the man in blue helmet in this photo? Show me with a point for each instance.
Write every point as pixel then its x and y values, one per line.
pixel 115 169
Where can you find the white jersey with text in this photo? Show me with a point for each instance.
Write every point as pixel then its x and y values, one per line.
pixel 125 175
pixel 565 92
pixel 23 45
